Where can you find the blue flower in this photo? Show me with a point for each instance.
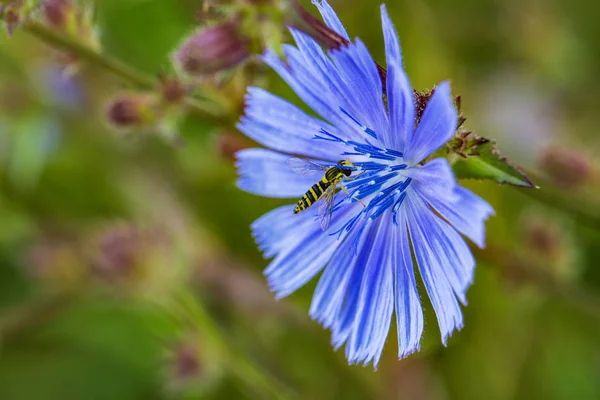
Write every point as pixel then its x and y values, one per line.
pixel 413 208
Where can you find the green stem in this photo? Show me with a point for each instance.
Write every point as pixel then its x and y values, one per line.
pixel 138 78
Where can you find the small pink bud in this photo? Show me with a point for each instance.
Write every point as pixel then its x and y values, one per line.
pixel 186 362
pixel 544 238
pixel 212 49
pixel 57 12
pixel 117 254
pixel 566 168
pixel 130 110
pixel 11 13
pixel 172 90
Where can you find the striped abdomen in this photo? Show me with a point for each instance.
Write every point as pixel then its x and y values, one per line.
pixel 312 195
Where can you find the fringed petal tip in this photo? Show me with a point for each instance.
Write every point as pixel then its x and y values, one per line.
pixel 446 335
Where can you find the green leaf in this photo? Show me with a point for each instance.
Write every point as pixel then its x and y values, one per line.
pixel 483 161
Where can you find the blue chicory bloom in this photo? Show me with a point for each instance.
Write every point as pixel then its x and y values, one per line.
pixel 411 207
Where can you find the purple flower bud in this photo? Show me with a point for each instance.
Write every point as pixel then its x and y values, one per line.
pixel 11 13
pixel 212 49
pixel 173 90
pixel 57 12
pixel 119 250
pixel 186 361
pixel 566 168
pixel 542 237
pixel 131 110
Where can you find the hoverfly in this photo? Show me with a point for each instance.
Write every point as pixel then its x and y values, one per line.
pixel 325 188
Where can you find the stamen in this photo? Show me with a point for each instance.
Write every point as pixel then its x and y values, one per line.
pixel 372 180
pixel 372 184
pixel 348 225
pixel 365 129
pixel 384 206
pixel 357 238
pixel 330 137
pixel 394 153
pixel 397 207
pixel 371 166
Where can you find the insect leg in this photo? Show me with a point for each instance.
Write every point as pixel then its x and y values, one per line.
pixel 348 193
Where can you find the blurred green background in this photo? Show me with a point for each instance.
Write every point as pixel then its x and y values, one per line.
pixel 127 268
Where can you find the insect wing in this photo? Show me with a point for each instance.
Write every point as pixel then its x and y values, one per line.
pixel 326 207
pixel 303 166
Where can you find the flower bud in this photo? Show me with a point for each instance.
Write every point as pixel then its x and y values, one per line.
pixel 58 13
pixel 212 49
pixel 11 12
pixel 186 361
pixel 192 368
pixel 566 168
pixel 117 253
pixel 131 110
pixel 543 238
pixel 172 90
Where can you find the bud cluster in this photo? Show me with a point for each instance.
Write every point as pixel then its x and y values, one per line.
pixel 157 112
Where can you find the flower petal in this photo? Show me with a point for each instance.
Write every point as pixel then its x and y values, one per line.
pixel 435 178
pixel 266 173
pixel 346 313
pixel 333 84
pixel 321 92
pixel 331 18
pixel 444 260
pixel 309 62
pixel 331 290
pixel 279 125
pixel 273 231
pixel 376 299
pixel 467 212
pixel 358 70
pixel 409 312
pixel 390 37
pixel 401 108
pixel 436 128
pixel 400 94
pixel 307 250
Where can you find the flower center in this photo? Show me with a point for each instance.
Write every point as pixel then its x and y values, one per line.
pixel 378 182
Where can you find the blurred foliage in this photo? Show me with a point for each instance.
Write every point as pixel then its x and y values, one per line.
pixel 127 269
